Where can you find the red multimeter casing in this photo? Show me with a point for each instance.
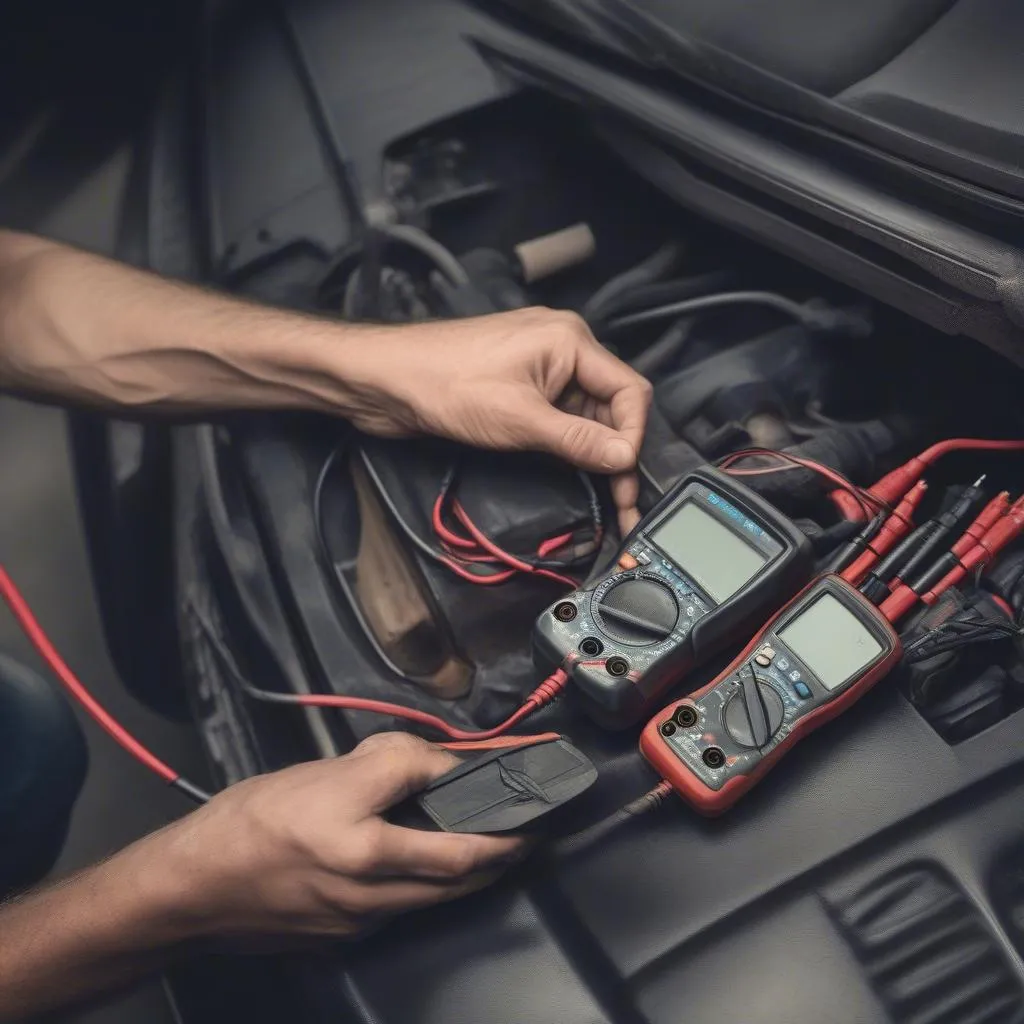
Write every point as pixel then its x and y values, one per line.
pixel 808 664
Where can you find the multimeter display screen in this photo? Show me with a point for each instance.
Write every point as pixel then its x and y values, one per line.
pixel 719 561
pixel 831 641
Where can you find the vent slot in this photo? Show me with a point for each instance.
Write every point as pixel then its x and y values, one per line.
pixel 928 952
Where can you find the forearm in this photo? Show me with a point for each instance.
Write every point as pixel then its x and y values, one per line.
pixel 82 328
pixel 95 931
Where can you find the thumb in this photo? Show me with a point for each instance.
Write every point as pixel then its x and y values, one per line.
pixel 395 765
pixel 583 442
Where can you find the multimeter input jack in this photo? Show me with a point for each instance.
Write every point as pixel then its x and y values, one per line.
pixel 685 716
pixel 591 646
pixel 714 757
pixel 617 666
pixel 565 611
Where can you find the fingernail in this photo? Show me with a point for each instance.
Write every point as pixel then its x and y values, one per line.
pixel 618 455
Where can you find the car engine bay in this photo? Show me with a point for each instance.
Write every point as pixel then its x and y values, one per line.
pixel 310 559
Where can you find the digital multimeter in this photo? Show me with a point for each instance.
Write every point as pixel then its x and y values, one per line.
pixel 703 568
pixel 814 659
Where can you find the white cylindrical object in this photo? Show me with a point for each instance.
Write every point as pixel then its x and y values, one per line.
pixel 547 255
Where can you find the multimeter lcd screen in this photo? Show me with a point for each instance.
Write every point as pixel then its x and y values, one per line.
pixel 831 641
pixel 719 561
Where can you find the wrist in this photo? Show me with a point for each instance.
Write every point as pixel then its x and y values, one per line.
pixel 379 374
pixel 157 891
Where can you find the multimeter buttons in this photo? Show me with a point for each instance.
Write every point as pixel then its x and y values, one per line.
pixel 638 611
pixel 754 713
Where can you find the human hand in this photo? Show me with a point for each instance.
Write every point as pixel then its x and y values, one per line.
pixel 532 379
pixel 305 851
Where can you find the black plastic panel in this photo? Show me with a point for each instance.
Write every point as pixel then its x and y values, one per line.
pixel 783 967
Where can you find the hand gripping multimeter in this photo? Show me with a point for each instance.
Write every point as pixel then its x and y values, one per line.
pixel 703 568
pixel 814 659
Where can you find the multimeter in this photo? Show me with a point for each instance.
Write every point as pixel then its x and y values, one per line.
pixel 812 660
pixel 703 568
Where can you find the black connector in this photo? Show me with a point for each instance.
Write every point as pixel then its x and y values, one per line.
pixel 874 589
pixel 936 572
pixel 949 523
pixel 855 547
pixel 890 566
pixel 875 586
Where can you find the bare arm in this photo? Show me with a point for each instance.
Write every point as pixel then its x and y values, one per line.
pixel 81 328
pixel 84 329
pixel 245 866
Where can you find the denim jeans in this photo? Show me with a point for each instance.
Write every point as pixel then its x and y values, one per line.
pixel 43 761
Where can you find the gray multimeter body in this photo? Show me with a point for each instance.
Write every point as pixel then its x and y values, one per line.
pixel 709 562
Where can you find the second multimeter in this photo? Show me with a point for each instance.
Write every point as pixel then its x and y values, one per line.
pixel 821 653
pixel 703 568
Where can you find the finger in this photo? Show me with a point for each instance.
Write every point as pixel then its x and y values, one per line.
pixel 609 379
pixel 628 410
pixel 625 493
pixel 443 856
pixel 394 765
pixel 624 396
pixel 584 442
pixel 374 900
pixel 625 487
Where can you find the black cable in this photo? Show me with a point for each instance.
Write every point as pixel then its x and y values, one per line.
pixel 706 302
pixel 663 351
pixel 191 790
pixel 600 830
pixel 662 292
pixel 646 272
pixel 357 300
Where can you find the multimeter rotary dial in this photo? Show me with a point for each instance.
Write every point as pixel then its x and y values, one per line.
pixel 638 610
pixel 754 713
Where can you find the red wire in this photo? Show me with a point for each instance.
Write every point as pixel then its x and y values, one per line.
pixel 864 498
pixel 478 548
pixel 485 739
pixel 957 444
pixel 501 742
pixel 896 482
pixel 552 544
pixel 544 693
pixel 484 580
pixel 34 631
pixel 443 532
pixel 483 541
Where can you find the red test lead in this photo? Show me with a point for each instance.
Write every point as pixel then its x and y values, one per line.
pixel 998 537
pixel 893 484
pixel 36 635
pixel 987 518
pixel 906 595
